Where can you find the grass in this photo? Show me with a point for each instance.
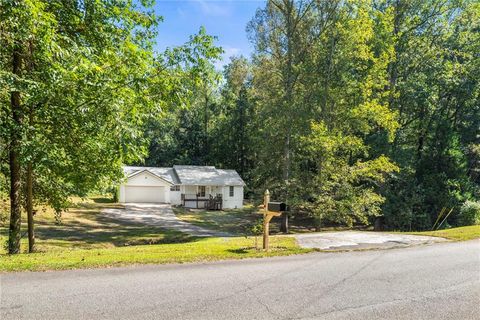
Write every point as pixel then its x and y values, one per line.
pixel 233 221
pixel 197 250
pixel 236 221
pixel 87 239
pixel 83 227
pixel 457 234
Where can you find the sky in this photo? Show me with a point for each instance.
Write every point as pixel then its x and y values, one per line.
pixel 226 19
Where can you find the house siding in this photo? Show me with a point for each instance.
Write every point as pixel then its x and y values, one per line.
pixel 145 179
pixel 233 202
pixel 176 196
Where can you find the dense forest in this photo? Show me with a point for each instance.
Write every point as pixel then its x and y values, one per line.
pixel 347 110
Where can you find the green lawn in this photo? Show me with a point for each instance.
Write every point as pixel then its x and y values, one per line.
pixel 458 234
pixel 197 250
pixel 87 239
pixel 83 227
pixel 232 221
pixel 236 221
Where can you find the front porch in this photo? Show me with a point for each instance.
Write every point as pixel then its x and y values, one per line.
pixel 202 197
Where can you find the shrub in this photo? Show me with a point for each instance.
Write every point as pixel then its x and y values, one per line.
pixel 4 209
pixel 469 213
pixel 255 229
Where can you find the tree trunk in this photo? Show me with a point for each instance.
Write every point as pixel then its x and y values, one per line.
pixel 393 67
pixel 286 155
pixel 289 100
pixel 379 224
pixel 327 112
pixel 205 150
pixel 29 195
pixel 31 234
pixel 14 234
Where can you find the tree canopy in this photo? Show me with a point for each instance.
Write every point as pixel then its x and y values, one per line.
pixel 80 81
pixel 348 110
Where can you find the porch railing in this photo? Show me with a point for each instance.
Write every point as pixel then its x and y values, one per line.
pixel 209 201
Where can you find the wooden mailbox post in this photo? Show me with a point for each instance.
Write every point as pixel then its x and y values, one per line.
pixel 267 216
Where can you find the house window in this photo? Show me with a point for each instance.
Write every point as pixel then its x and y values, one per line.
pixel 201 191
pixel 231 191
pixel 175 188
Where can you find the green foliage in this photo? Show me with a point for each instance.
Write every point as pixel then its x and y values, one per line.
pixel 88 83
pixel 233 136
pixel 255 228
pixel 436 94
pixel 469 214
pixel 182 135
pixel 343 189
pixel 83 81
pixel 347 110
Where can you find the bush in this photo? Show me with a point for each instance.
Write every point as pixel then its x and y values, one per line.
pixel 255 229
pixel 4 209
pixel 469 213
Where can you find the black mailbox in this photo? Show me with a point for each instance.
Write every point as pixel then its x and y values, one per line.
pixel 277 206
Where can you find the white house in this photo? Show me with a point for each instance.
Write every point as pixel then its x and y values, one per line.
pixel 189 186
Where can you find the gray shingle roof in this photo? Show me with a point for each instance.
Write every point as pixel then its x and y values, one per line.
pixel 207 176
pixel 192 175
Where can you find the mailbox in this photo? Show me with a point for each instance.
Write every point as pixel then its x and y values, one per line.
pixel 277 206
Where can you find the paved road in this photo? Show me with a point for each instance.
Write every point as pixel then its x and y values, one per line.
pixel 353 240
pixel 440 281
pixel 158 215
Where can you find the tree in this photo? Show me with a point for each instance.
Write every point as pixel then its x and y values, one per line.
pixel 280 33
pixel 234 127
pixel 401 77
pixel 284 34
pixel 78 76
pixel 347 110
pixel 343 189
pixel 182 137
pixel 434 85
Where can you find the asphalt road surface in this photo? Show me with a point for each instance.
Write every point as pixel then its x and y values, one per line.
pixel 438 281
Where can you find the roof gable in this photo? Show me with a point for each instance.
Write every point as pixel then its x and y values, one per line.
pixel 166 174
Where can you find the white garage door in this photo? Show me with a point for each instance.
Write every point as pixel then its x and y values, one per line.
pixel 144 194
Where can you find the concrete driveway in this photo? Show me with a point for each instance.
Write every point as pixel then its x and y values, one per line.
pixel 354 240
pixel 160 215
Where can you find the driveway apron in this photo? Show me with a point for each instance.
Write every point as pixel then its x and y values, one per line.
pixel 355 240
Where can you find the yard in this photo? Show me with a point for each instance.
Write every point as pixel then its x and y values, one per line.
pixel 86 239
pixel 194 250
pixel 457 234
pixel 235 221
pixel 83 227
pixel 238 221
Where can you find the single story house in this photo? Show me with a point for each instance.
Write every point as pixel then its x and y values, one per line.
pixel 189 186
